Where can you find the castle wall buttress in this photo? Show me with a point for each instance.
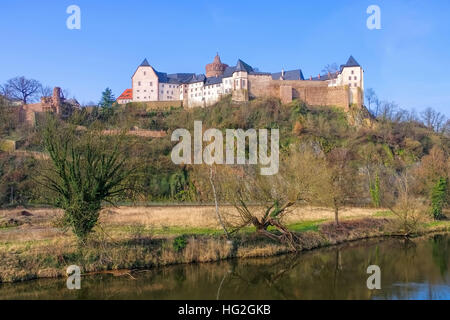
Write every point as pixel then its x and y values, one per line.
pixel 314 93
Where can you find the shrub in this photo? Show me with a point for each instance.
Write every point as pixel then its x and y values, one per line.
pixel 438 198
pixel 84 172
pixel 375 192
pixel 179 243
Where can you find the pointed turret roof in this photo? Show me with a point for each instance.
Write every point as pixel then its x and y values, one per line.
pixel 145 63
pixel 217 59
pixel 352 62
pixel 242 66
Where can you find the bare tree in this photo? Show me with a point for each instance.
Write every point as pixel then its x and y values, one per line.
pixel 388 111
pixel 65 93
pixel 330 68
pixel 446 129
pixel 410 210
pixel 340 184
pixel 371 98
pixel 270 196
pixel 213 187
pixel 20 88
pixel 45 91
pixel 433 119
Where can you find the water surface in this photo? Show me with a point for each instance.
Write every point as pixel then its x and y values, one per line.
pixel 411 269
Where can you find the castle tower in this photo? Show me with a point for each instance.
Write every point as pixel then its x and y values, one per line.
pixel 215 69
pixel 56 100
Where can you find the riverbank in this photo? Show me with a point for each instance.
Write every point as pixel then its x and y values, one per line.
pixel 32 247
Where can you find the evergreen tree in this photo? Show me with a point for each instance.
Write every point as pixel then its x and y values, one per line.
pixel 438 198
pixel 107 99
pixel 375 191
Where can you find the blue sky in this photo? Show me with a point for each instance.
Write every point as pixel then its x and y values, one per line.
pixel 407 61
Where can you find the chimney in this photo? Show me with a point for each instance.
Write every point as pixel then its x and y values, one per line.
pixel 310 78
pixel 319 76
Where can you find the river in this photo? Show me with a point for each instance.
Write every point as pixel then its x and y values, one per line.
pixel 410 269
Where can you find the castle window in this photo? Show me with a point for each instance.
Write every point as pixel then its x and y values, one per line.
pixel 151 84
pixel 139 83
pixel 353 71
pixel 349 78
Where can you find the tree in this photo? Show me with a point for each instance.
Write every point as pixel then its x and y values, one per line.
pixel 85 171
pixel 401 199
pixel 45 91
pixel 432 167
pixel 375 191
pixel 446 129
pixel 387 111
pixel 108 99
pixel 339 186
pixel 330 68
pixel 371 98
pixel 433 119
pixel 264 201
pixel 439 198
pixel 20 88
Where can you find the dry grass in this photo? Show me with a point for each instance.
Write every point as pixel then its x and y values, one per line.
pixel 39 226
pixel 205 217
pixel 36 249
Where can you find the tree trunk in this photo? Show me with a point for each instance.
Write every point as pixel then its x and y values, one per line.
pixel 336 215
pixel 217 204
pixel 11 196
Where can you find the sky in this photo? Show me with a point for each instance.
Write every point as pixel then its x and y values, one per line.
pixel 407 61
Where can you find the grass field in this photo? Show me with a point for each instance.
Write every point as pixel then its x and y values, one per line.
pixel 32 246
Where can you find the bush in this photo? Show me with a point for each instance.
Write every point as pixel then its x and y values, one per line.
pixel 179 244
pixel 84 172
pixel 438 198
pixel 375 192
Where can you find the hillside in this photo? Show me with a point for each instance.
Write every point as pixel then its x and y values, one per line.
pixel 374 143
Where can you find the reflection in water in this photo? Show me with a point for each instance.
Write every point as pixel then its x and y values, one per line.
pixel 411 269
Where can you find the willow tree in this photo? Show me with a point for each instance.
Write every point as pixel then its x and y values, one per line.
pixel 264 201
pixel 86 170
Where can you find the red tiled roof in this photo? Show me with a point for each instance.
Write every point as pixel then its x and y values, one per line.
pixel 126 95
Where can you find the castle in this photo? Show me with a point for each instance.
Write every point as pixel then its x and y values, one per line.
pixel 342 88
pixel 56 104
